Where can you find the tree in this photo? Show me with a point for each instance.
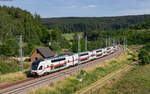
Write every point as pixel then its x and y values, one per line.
pixel 56 34
pixel 75 42
pixel 37 19
pixel 144 57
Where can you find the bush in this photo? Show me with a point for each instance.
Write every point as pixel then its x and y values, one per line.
pixel 144 57
pixel 12 66
pixel 9 67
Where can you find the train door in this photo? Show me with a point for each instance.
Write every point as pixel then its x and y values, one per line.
pixel 51 67
pixel 73 62
pixel 47 66
pixel 69 61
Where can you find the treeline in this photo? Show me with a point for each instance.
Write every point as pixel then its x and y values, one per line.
pixel 142 25
pixel 15 22
pixel 80 24
pixel 99 39
pixel 132 36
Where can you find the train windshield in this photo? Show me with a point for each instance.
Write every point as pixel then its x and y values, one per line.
pixel 35 64
pixel 99 51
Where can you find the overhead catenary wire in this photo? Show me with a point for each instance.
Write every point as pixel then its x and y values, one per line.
pixel 86 43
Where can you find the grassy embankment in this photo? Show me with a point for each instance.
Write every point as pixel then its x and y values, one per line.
pixel 135 81
pixel 71 84
pixel 10 71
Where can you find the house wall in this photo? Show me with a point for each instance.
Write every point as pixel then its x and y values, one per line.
pixel 35 55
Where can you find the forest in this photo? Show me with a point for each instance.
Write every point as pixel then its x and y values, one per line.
pixel 39 32
pixel 15 22
pixel 81 24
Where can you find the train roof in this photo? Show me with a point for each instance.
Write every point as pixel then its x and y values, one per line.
pixel 84 52
pixel 99 49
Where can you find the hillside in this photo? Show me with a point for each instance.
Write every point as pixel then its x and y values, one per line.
pixel 15 22
pixel 80 24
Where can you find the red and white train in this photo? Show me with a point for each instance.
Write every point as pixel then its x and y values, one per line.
pixel 45 66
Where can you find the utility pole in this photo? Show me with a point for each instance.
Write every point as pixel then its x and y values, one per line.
pixel 113 41
pixel 119 41
pixel 79 66
pixel 103 45
pixel 106 41
pixel 20 43
pixel 109 41
pixel 124 44
pixel 86 43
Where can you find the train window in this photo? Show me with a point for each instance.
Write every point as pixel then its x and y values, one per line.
pixel 56 60
pixel 108 48
pixel 84 59
pixel 41 67
pixel 59 66
pixel 51 67
pixel 84 54
pixel 99 51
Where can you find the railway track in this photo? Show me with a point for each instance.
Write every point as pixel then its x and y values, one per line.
pixel 22 88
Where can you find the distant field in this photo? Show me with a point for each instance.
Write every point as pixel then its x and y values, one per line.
pixel 135 81
pixel 69 36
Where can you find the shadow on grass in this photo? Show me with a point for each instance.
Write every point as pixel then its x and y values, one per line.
pixel 28 73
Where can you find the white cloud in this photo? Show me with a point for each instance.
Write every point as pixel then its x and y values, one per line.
pixel 136 11
pixel 89 6
pixel 74 6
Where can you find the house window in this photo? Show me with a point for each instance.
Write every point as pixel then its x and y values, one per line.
pixel 36 58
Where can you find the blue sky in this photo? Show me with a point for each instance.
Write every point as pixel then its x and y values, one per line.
pixel 82 8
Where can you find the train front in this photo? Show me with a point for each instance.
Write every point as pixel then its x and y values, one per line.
pixel 36 68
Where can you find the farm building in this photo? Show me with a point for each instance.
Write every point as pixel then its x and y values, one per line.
pixel 41 53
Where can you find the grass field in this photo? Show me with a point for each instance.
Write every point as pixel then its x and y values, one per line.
pixel 10 77
pixel 71 84
pixel 69 36
pixel 135 81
